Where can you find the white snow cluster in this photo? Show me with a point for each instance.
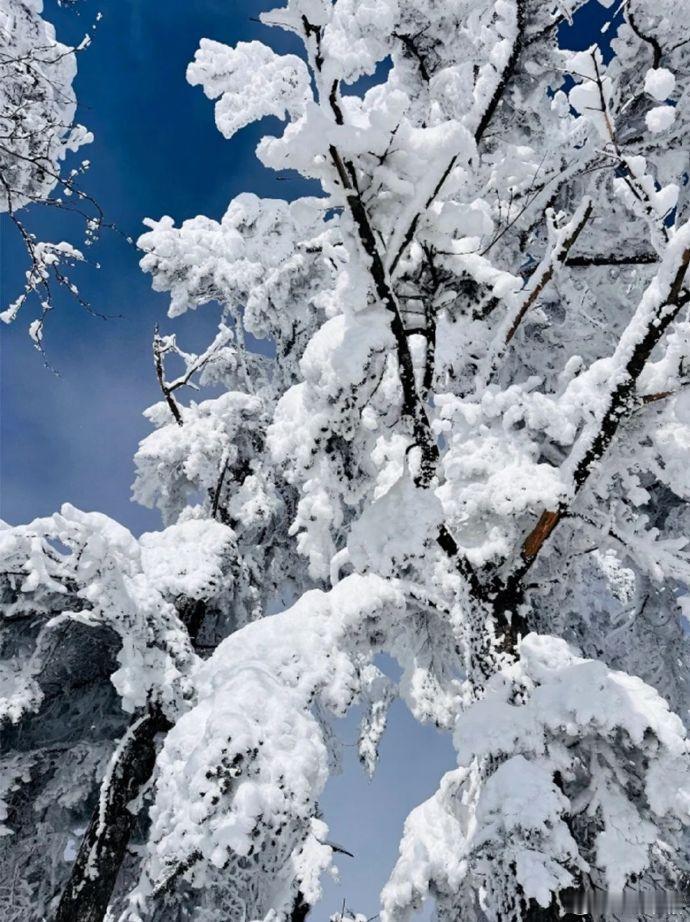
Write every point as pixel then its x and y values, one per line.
pixel 555 736
pixel 659 82
pixel 660 118
pixel 106 577
pixel 240 774
pixel 251 80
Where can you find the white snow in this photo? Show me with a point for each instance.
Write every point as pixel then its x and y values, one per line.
pixel 659 82
pixel 250 82
pixel 660 118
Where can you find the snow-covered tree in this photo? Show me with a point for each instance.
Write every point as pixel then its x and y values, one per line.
pixel 462 447
pixel 37 133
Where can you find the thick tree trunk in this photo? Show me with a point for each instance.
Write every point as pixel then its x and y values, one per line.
pixel 103 848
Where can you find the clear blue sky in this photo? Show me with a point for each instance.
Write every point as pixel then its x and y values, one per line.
pixel 72 437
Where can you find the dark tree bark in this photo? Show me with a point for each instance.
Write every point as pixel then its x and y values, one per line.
pixel 94 873
pixel 300 909
pixel 536 913
pixel 103 848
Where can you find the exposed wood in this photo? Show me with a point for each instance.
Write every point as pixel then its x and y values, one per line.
pixel 539 534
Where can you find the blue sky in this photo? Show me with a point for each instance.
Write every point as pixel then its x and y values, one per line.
pixel 71 437
pixel 156 151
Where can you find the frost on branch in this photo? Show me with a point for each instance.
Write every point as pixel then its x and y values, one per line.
pixel 176 462
pixel 37 133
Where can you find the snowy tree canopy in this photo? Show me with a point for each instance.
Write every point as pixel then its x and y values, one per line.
pixel 463 447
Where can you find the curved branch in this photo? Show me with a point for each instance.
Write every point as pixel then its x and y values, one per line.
pixel 657 51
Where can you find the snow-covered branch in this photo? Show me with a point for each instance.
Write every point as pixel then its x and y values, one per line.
pixel 463 447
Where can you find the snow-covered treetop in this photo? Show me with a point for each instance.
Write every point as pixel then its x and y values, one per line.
pixel 480 332
pixel 463 444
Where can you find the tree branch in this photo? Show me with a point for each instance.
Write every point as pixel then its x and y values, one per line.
pixel 413 407
pixel 545 272
pixel 657 51
pixel 159 350
pixel 586 262
pixel 94 873
pixel 592 446
pixel 484 122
